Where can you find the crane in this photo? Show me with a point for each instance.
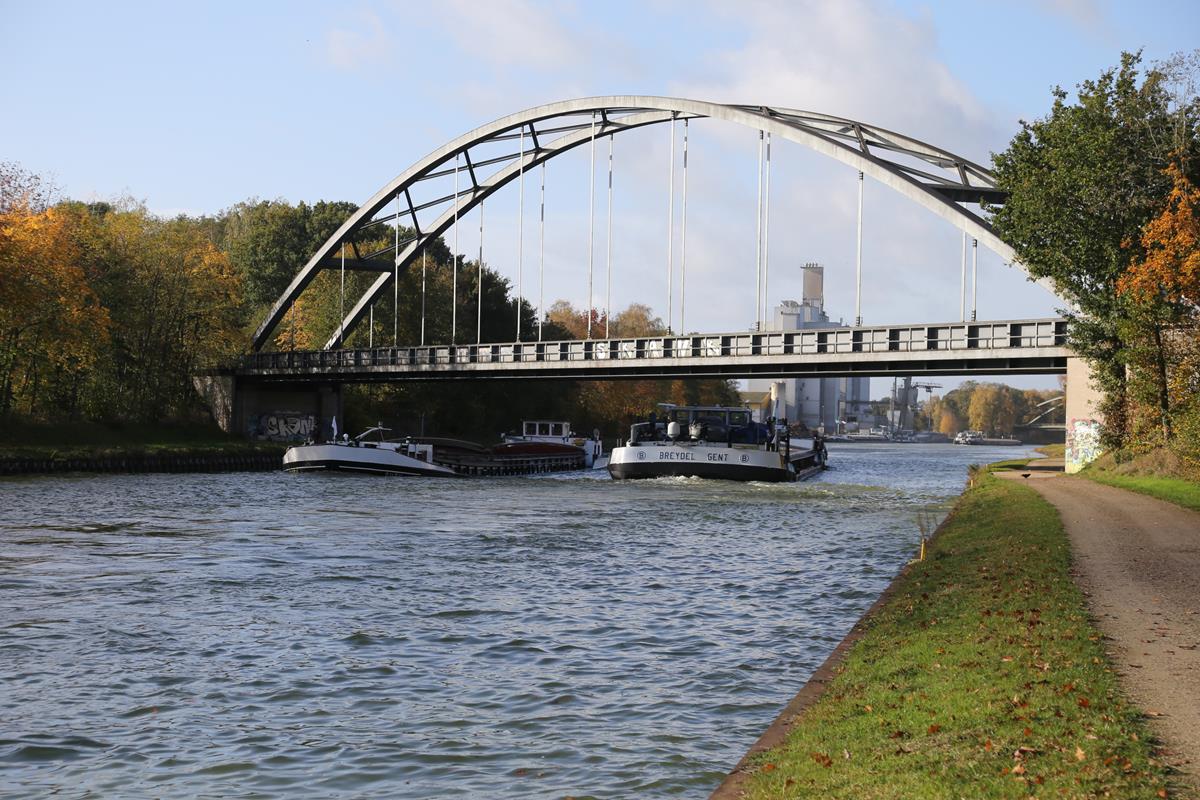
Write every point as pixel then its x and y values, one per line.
pixel 907 400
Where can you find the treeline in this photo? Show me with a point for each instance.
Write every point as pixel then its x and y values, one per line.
pixel 994 408
pixel 1103 200
pixel 106 313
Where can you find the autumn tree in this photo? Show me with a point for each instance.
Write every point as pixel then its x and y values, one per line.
pixel 174 300
pixel 52 326
pixel 1082 182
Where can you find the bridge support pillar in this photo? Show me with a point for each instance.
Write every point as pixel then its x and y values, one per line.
pixel 1083 416
pixel 273 412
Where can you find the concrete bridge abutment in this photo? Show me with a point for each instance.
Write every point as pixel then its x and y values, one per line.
pixel 275 411
pixel 1083 416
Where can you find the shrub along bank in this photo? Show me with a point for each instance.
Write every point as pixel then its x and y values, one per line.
pixel 86 441
pixel 982 677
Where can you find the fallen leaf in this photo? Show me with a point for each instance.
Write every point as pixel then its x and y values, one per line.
pixel 934 728
pixel 1019 769
pixel 768 767
pixel 1079 754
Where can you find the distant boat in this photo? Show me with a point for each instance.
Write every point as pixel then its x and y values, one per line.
pixel 977 438
pixel 712 442
pixel 368 452
pixel 546 437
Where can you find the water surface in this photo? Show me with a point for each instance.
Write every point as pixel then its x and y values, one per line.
pixel 258 635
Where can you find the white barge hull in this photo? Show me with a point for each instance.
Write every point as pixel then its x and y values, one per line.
pixel 658 460
pixel 377 460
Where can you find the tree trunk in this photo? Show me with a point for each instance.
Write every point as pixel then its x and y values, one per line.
pixel 1160 374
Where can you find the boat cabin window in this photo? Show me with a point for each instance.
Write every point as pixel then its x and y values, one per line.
pixel 530 428
pixel 543 428
pixel 739 417
pixel 556 429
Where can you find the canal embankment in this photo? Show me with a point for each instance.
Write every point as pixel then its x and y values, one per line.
pixel 165 448
pixel 979 673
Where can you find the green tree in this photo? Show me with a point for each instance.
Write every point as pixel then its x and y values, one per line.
pixel 1082 182
pixel 175 304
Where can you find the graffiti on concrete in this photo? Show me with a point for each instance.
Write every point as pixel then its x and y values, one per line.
pixel 1083 443
pixel 283 426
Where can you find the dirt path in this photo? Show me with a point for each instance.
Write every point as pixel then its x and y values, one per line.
pixel 1138 560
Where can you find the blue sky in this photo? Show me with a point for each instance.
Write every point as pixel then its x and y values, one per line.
pixel 194 107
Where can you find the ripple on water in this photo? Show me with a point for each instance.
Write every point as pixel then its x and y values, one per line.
pixel 278 636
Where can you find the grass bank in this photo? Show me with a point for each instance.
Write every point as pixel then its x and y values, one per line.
pixel 1158 473
pixel 80 440
pixel 982 677
pixel 1174 490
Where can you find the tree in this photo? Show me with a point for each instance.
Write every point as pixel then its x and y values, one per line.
pixel 1082 183
pixel 1170 243
pixel 1164 289
pixel 269 241
pixel 52 325
pixel 22 190
pixel 174 300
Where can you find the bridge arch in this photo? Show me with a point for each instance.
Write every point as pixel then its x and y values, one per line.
pixel 935 178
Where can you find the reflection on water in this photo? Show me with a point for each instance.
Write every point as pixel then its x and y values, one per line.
pixel 272 635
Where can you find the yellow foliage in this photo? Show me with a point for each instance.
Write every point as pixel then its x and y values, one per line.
pixel 50 319
pixel 1171 240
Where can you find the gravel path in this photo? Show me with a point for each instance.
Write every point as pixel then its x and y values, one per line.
pixel 1138 561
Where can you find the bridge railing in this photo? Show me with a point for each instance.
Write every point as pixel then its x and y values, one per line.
pixel 971 336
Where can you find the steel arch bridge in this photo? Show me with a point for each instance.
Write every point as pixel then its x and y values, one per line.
pixel 937 179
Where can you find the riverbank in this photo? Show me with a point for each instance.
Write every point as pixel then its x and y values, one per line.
pixel 1157 473
pixel 981 671
pixel 161 448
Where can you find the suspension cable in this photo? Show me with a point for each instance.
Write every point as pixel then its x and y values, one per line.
pixel 758 242
pixel 454 282
pixel 962 295
pixel 671 228
pixel 974 277
pixel 396 280
pixel 591 220
pixel 683 234
pixel 520 228
pixel 424 252
pixel 766 249
pixel 479 271
pixel 542 252
pixel 608 246
pixel 342 324
pixel 858 258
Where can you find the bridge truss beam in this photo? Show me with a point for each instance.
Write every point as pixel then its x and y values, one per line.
pixel 935 178
pixel 1029 347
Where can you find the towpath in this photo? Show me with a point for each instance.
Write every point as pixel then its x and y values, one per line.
pixel 1138 561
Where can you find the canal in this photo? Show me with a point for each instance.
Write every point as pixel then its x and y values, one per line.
pixel 277 636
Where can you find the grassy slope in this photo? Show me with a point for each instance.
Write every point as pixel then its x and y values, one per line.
pixel 1053 450
pixel 82 441
pixel 982 678
pixel 1174 490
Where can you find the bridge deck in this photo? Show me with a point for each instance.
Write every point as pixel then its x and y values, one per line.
pixel 980 348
